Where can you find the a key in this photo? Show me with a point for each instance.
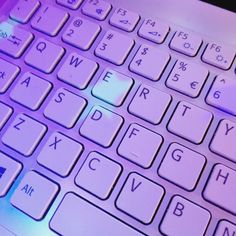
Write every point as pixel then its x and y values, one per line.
pixel 30 91
pixel 149 104
pixel 219 55
pixel 34 195
pixel 92 172
pixel 27 132
pixel 98 9
pixel 59 154
pixel 124 19
pixel 112 87
pixel 222 93
pixel 187 78
pixel 13 40
pixel 190 122
pixel 65 108
pixel 225 227
pixel 8 73
pixel 186 42
pixel 77 71
pixel 5 113
pixel 73 207
pixel 44 55
pixel 71 4
pixel 81 33
pixel 133 193
pixel 24 10
pixel 154 30
pixel 182 166
pixel 49 20
pixel 114 47
pixel 184 218
pixel 220 188
pixel 149 62
pixel 101 126
pixel 9 170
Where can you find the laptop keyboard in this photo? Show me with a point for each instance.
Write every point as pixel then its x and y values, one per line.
pixel 116 124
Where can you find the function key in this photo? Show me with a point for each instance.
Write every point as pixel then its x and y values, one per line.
pixel 71 4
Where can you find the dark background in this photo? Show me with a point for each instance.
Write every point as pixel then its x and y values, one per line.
pixel 226 4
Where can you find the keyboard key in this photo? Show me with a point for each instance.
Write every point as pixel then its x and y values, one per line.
pixel 5 113
pixel 25 91
pixel 59 154
pixel 27 132
pixel 154 30
pixel 114 47
pixel 149 104
pixel 34 195
pixel 65 108
pixel 9 170
pixel 124 19
pixel 92 172
pixel 182 166
pixel 101 126
pixel 114 81
pixel 98 9
pixel 131 146
pixel 225 228
pixel 222 93
pixel 149 62
pixel 182 215
pixel 71 4
pixel 73 208
pixel 44 55
pixel 187 78
pixel 44 22
pixel 8 73
pixel 24 10
pixel 219 55
pixel 132 195
pixel 81 33
pixel 13 40
pixel 188 117
pixel 220 188
pixel 186 43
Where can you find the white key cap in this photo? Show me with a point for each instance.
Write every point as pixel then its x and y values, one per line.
pixel 13 40
pixel 114 47
pixel 219 55
pixel 124 19
pixel 186 43
pixel 112 87
pixel 27 132
pixel 149 104
pixel 220 188
pixel 9 170
pixel 44 55
pixel 8 73
pixel 187 78
pixel 182 166
pixel 49 20
pixel 71 4
pixel 131 146
pixel 92 172
pixel 34 195
pixel 71 208
pixel 225 228
pixel 25 91
pixel 65 108
pixel 154 30
pixel 77 70
pixel 222 93
pixel 23 10
pixel 81 33
pixel 5 113
pixel 182 215
pixel 59 154
pixel 190 122
pixel 97 9
pixel 132 195
pixel 101 126
pixel 149 62
pixel 223 142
